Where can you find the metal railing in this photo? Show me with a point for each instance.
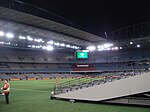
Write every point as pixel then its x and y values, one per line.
pixel 74 84
pixel 80 83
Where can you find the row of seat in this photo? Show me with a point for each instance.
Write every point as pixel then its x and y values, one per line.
pixel 18 55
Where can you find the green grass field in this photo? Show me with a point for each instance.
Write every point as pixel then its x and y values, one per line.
pixel 33 96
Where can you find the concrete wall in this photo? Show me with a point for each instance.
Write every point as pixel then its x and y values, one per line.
pixel 118 88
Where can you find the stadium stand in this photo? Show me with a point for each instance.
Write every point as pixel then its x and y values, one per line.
pixel 31 62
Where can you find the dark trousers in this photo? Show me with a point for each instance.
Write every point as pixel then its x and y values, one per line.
pixel 7 98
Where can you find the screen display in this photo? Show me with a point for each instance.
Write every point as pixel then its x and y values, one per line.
pixel 82 54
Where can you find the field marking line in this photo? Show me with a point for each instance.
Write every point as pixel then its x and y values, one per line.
pixel 28 90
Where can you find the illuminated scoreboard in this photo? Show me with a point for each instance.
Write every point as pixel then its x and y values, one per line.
pixel 82 54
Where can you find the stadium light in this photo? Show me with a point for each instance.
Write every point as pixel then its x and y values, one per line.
pixel 50 42
pixel 7 43
pixel 38 40
pixel 50 48
pixel 21 37
pixel 68 45
pixel 100 48
pixel 73 47
pixel 9 35
pixel 29 38
pixel 91 48
pixel 13 44
pixel 111 44
pixel 138 46
pixel 44 47
pixel 106 45
pixel 76 47
pixel 33 46
pixel 62 44
pixel 120 48
pixel 57 44
pixel 108 49
pixel 115 48
pixel 131 43
pixel 2 33
pixel 38 46
pixel 29 45
pixel 1 42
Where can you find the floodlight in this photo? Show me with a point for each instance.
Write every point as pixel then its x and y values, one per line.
pixel 76 47
pixel 38 40
pixel 131 43
pixel 108 49
pixel 7 43
pixel 29 38
pixel 62 44
pixel 21 37
pixel 50 42
pixel 33 46
pixel 1 42
pixel 120 47
pixel 49 48
pixel 91 48
pixel 138 45
pixel 2 33
pixel 72 47
pixel 9 35
pixel 115 48
pixel 98 46
pixel 29 45
pixel 106 45
pixel 44 47
pixel 37 47
pixel 111 44
pixel 57 44
pixel 68 45
pixel 101 48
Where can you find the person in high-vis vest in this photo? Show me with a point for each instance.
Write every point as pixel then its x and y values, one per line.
pixel 6 90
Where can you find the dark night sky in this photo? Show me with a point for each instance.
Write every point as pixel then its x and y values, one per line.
pixel 98 16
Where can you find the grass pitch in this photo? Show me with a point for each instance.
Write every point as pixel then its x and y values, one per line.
pixel 33 96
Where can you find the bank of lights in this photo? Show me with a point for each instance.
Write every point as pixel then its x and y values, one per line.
pixel 2 33
pixel 106 46
pixel 138 46
pixel 9 35
pixel 91 48
pixel 131 43
pixel 29 38
pixel 48 47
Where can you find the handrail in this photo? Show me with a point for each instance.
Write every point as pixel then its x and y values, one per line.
pixel 87 82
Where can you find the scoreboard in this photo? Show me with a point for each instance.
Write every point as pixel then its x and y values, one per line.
pixel 82 54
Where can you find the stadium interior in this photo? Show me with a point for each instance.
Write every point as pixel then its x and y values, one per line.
pixel 39 48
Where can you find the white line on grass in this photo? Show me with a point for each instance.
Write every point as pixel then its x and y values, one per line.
pixel 29 90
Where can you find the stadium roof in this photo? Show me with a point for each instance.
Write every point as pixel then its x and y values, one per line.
pixel 37 26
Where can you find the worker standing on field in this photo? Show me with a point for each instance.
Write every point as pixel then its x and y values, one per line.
pixel 6 91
